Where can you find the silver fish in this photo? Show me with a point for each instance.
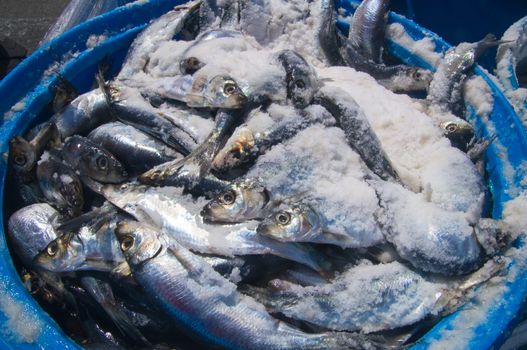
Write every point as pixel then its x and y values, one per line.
pixel 199 90
pixel 31 229
pixel 162 29
pixel 358 131
pixel 368 26
pixel 178 215
pixel 93 247
pixel 300 77
pixel 130 145
pixel 60 185
pixel 198 163
pixel 83 114
pixel 175 277
pixel 300 222
pixel 373 298
pixel 93 161
pixel 445 91
pixel 437 240
pixel 244 201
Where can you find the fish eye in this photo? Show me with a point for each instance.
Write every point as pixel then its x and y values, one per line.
pixel 417 74
pixel 52 248
pixel 229 88
pixel 124 187
pixel 283 218
pixel 127 243
pixel 228 197
pixel 451 127
pixel 193 62
pixel 300 84
pixel 102 162
pixel 20 159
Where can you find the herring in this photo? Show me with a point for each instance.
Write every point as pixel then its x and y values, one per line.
pixel 61 186
pixel 214 310
pixel 137 151
pixel 300 77
pixel 92 160
pixel 368 26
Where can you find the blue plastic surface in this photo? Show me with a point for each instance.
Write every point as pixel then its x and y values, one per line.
pixel 28 84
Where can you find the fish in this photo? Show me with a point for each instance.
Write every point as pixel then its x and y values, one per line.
pixel 243 201
pixel 367 29
pixel 385 296
pixel 23 154
pixel 130 145
pixel 60 185
pixel 199 91
pixel 397 78
pixel 437 240
pixel 83 114
pixel 459 132
pixel 327 36
pixel 445 92
pixel 250 140
pixel 92 160
pixel 301 222
pixel 31 228
pixel 358 131
pixel 300 77
pixel 102 292
pixel 129 107
pixel 215 312
pixel 162 29
pixel 92 247
pixel 177 214
pixel 198 163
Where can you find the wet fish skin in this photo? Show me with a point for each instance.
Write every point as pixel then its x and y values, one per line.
pixel 129 144
pixel 359 134
pixel 31 229
pixel 93 161
pixel 130 108
pixel 300 77
pixel 83 114
pixel 243 201
pixel 177 277
pixel 368 27
pixel 178 215
pixel 91 247
pixel 61 186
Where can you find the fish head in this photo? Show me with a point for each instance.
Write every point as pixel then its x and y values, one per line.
pixel 138 242
pixel 22 155
pixel 238 150
pixel 243 201
pixel 420 78
pixel 94 162
pixel 190 65
pixel 290 223
pixel 62 254
pixel 301 89
pixel 223 92
pixel 459 132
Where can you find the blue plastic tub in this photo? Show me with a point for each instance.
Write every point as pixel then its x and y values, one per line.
pixel 25 93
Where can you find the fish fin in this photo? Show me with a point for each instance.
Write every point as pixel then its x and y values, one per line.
pixel 64 92
pixel 477 147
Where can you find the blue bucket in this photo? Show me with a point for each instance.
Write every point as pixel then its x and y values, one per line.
pixel 25 94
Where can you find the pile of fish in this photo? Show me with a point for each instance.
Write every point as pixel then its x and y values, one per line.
pixel 218 190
